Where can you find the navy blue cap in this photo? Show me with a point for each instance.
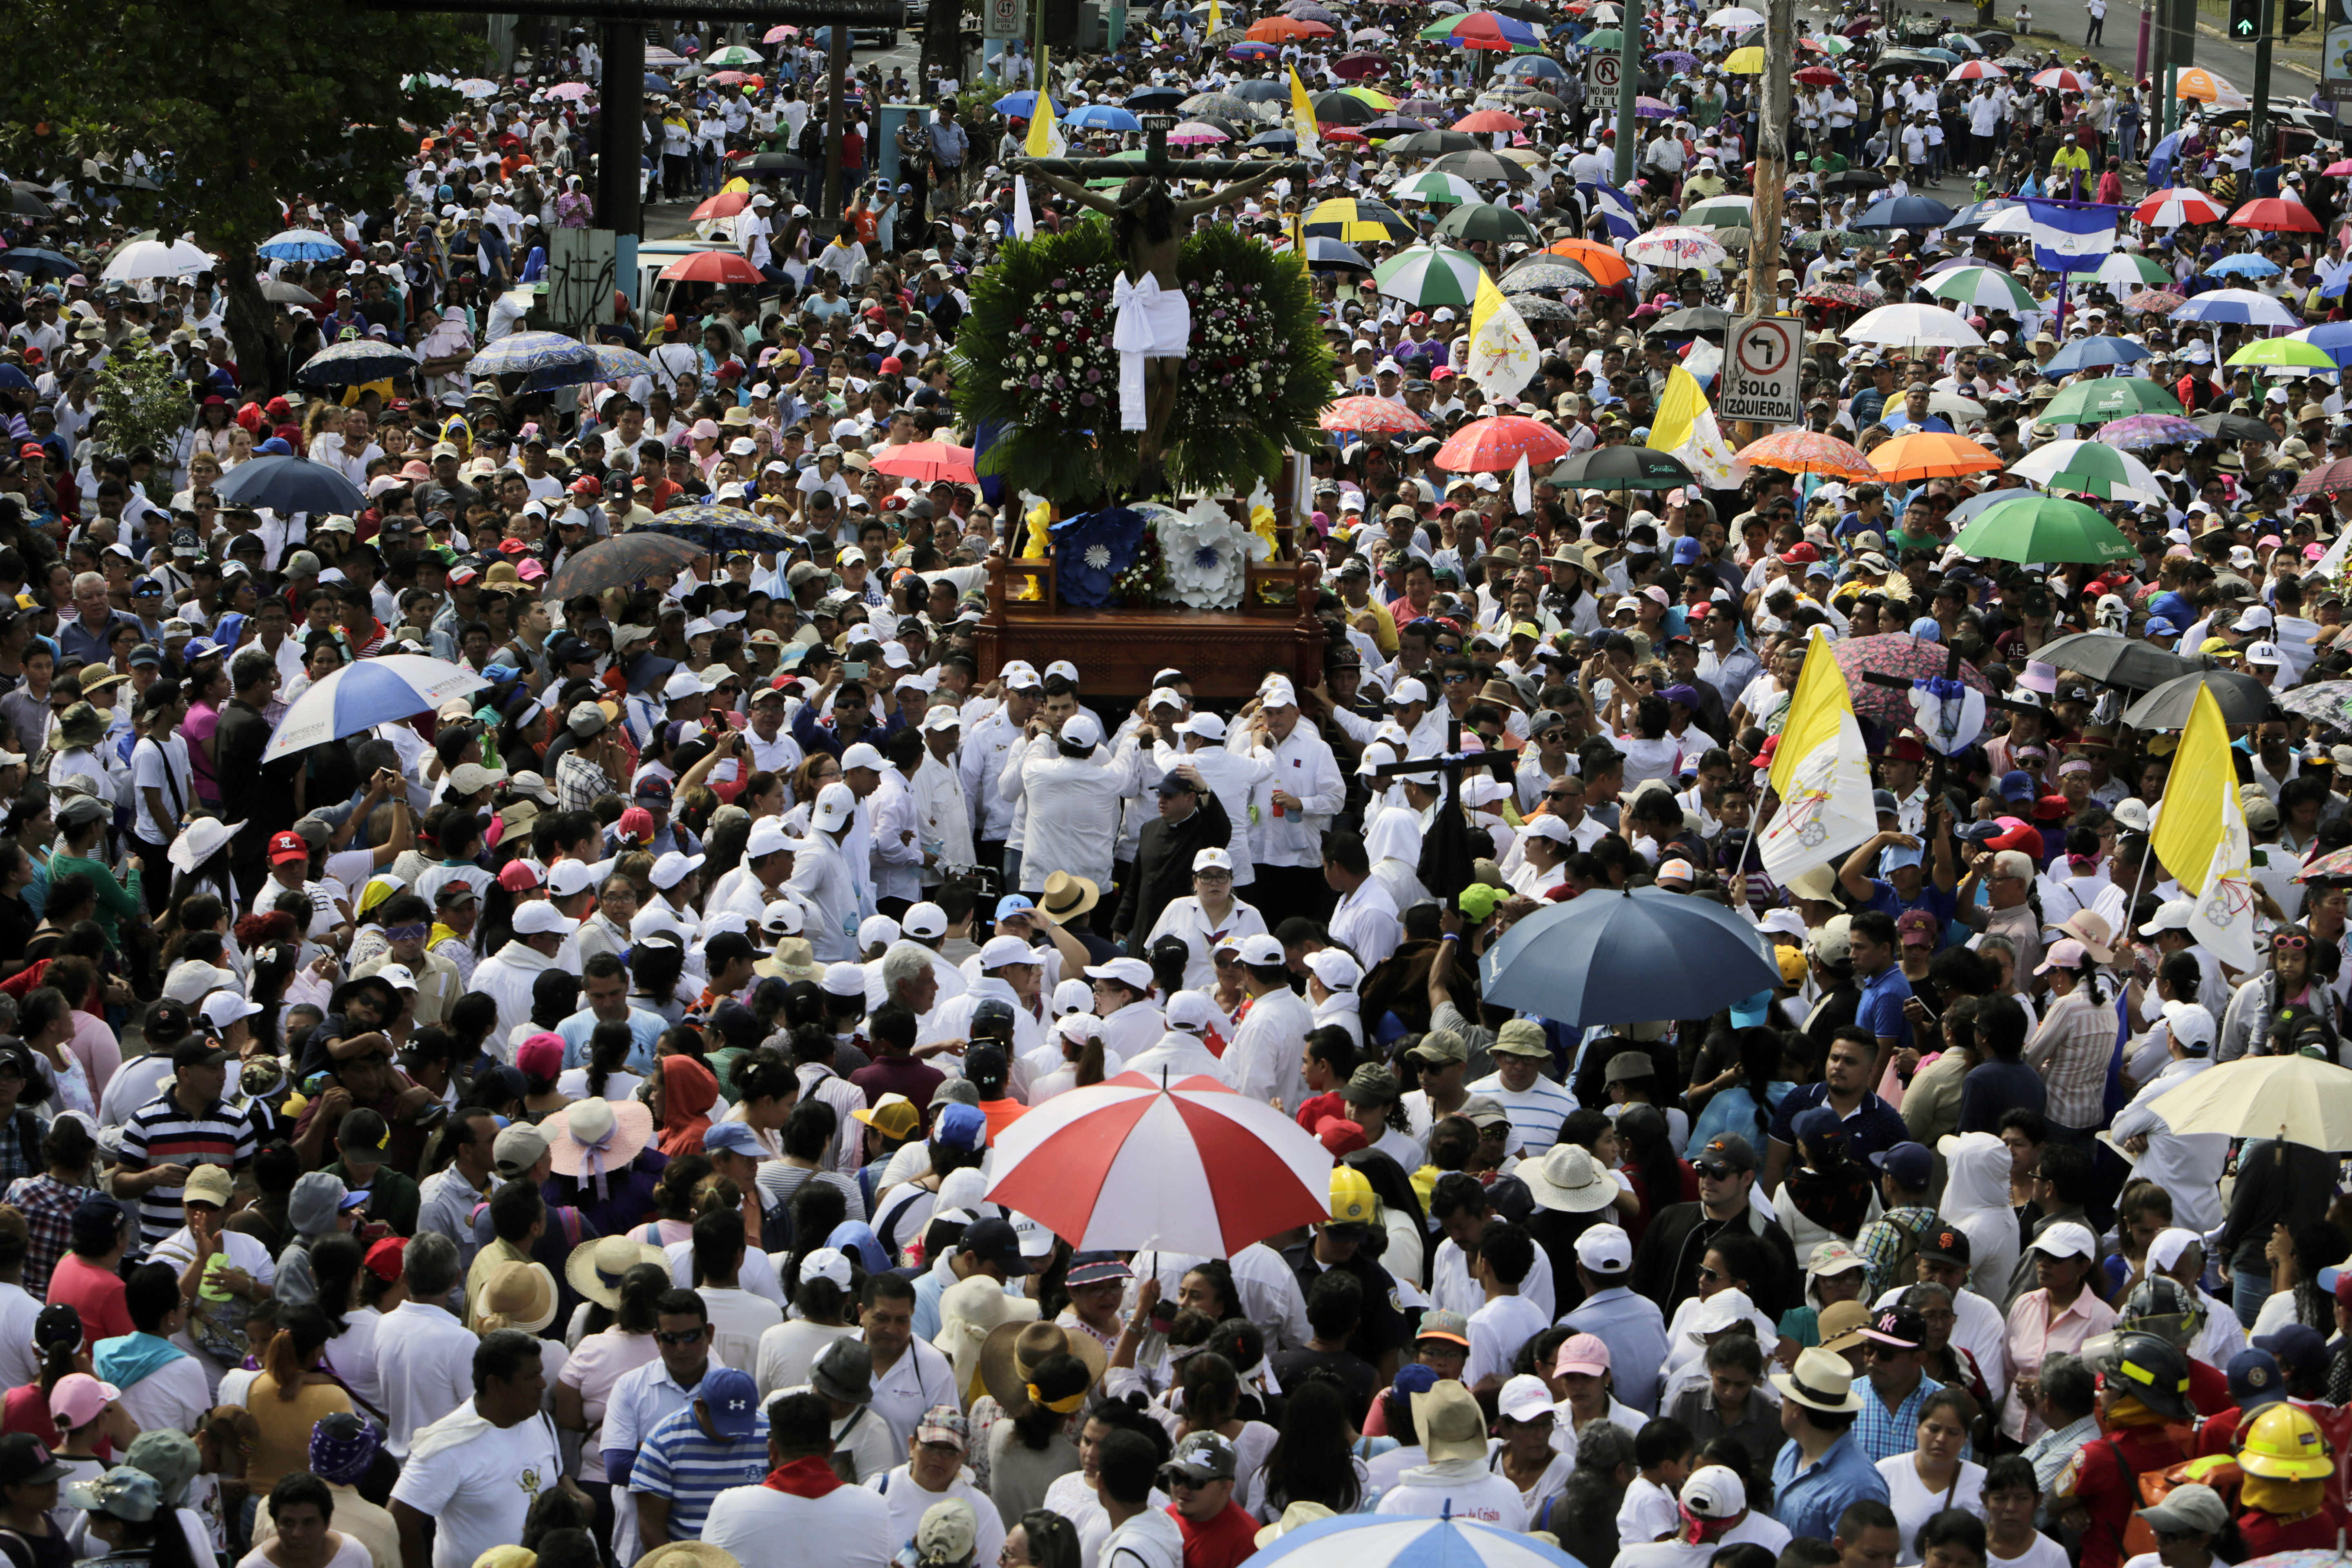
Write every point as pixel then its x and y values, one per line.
pixel 2254 1380
pixel 2298 1347
pixel 1909 1163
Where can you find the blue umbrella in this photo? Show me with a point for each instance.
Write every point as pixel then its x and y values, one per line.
pixel 2083 353
pixel 1620 958
pixel 2335 337
pixel 14 379
pixel 289 485
pixel 1155 99
pixel 1253 51
pixel 1280 141
pixel 301 245
pixel 1540 66
pixel 531 354
pixel 1104 117
pixel 2243 267
pixel 37 261
pixel 2242 305
pixel 1905 212
pixel 1331 253
pixel 362 695
pixel 1022 104
pixel 1399 1540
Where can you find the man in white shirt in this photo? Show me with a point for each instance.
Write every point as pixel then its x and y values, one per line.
pixel 474 1473
pixel 911 1375
pixel 802 1513
pixel 424 1356
pixel 1264 1061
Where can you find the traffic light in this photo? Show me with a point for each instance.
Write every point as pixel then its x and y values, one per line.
pixel 2294 16
pixel 2245 18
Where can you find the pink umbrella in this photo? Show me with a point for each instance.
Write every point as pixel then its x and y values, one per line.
pixel 778 35
pixel 2060 80
pixel 1193 134
pixel 573 91
pixel 1185 1166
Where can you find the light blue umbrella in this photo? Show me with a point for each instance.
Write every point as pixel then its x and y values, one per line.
pixel 301 245
pixel 2242 305
pixel 2242 266
pixel 1022 104
pixel 531 354
pixel 1620 958
pixel 1104 117
pixel 286 485
pixel 2083 353
pixel 1401 1541
pixel 2335 337
pixel 362 695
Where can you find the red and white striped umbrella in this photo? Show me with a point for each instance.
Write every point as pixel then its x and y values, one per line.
pixel 2061 79
pixel 2171 208
pixel 1974 70
pixel 1188 1166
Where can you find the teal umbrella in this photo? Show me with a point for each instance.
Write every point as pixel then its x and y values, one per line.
pixel 2042 529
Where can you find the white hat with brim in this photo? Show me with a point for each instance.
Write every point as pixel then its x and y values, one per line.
pixel 1569 1179
pixel 1822 1380
pixel 200 843
pixel 617 1130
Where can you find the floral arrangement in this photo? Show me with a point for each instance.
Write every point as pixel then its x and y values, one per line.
pixel 1208 554
pixel 1094 555
pixel 1034 354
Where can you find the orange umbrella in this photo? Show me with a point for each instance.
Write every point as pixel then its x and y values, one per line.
pixel 1490 120
pixel 929 461
pixel 1608 267
pixel 726 204
pixel 1282 29
pixel 1808 452
pixel 1931 455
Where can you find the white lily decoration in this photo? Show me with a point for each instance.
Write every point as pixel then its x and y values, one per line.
pixel 1207 554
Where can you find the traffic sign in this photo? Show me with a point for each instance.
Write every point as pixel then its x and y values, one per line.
pixel 1602 74
pixel 1759 372
pixel 1002 19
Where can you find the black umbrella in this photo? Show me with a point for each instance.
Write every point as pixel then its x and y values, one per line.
pixel 771 164
pixel 1858 179
pixel 1154 99
pixel 287 484
pixel 1482 166
pixel 1431 143
pixel 28 201
pixel 2243 699
pixel 618 562
pixel 1342 109
pixel 278 291
pixel 1261 90
pixel 2125 662
pixel 1624 469
pixel 1698 320
pixel 2235 427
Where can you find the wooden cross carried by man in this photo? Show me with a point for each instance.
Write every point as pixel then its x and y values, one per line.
pixel 1153 328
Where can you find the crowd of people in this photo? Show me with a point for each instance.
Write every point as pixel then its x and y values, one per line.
pixel 558 1127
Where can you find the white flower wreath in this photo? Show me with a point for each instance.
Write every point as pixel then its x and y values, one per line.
pixel 1207 556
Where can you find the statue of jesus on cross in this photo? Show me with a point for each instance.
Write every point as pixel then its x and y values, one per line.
pixel 1154 329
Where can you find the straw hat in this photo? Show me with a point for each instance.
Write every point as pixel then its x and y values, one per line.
pixel 688 1554
pixel 617 1130
pixel 1295 1516
pixel 1009 1357
pixel 1451 1425
pixel 595 1268
pixel 969 1310
pixel 516 1296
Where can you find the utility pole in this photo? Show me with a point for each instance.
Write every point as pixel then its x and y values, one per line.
pixel 2262 80
pixel 2180 54
pixel 620 129
pixel 1759 291
pixel 1629 69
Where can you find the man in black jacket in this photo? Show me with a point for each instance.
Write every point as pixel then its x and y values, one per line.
pixel 1191 819
pixel 1666 1266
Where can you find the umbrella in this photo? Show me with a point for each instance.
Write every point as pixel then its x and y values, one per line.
pixel 2241 266
pixel 29 200
pixel 147 258
pixel 720 527
pixel 1430 276
pixel 360 696
pixel 1843 296
pixel 1987 288
pixel 571 91
pixel 1608 960
pixel 2242 305
pixel 1486 122
pixel 1527 97
pixel 773 164
pixel 1624 469
pixel 1493 446
pixel 2086 353
pixel 735 54
pixel 1444 190
pixel 1698 321
pixel 1745 62
pixel 2059 80
pixel 2204 87
pixel 2161 301
pixel 1104 117
pixel 1608 267
pixel 1537 308
pixel 1974 70
pixel 301 245
pixel 1482 165
pixel 2335 337
pixel 34 260
pixel 2108 472
pixel 1281 29
pixel 1484 30
pixel 2180 204
pixel 1022 104
pixel 615 363
pixel 2235 427
pixel 521 354
pixel 285 484
pixel 1676 246
pixel 726 204
pixel 1434 144
pixel 1925 324
pixel 1720 212
pixel 475 87
pixel 354 363
pixel 2042 529
pixel 1194 133
pixel 1822 75
pixel 1930 455
pixel 1154 99
pixel 1353 218
pixel 2127 662
pixel 2110 397
pixel 278 291
pixel 1361 65
pixel 1904 656
pixel 711 267
pixel 1538 273
pixel 2296 1099
pixel 929 461
pixel 1905 212
pixel 2151 430
pixel 2328 703
pixel 1398 125
pixel 1329 253
pixel 2277 214
pixel 618 562
pixel 1371 417
pixel 2332 479
pixel 1808 452
pixel 2284 353
pixel 1187 1166
pixel 2123 269
pixel 1484 220
pixel 1736 16
pixel 2243 699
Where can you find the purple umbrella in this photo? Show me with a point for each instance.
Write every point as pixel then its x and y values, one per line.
pixel 1422 108
pixel 1681 59
pixel 2150 430
pixel 1652 109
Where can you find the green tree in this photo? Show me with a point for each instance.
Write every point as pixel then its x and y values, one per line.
pixel 237 110
pixel 145 401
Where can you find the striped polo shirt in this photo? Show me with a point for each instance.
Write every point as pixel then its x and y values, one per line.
pixel 161 1132
pixel 679 1462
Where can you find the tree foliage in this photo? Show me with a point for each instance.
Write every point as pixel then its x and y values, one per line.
pixel 145 402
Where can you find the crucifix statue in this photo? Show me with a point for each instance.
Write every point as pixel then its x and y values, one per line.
pixel 1153 328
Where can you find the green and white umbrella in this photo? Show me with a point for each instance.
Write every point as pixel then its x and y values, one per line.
pixel 2284 353
pixel 2090 467
pixel 1489 221
pixel 735 56
pixel 1440 190
pixel 1427 275
pixel 1721 212
pixel 2039 529
pixel 1987 288
pixel 2122 270
pixel 2108 397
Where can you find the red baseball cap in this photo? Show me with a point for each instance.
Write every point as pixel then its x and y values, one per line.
pixel 587 486
pixel 1799 555
pixel 32 449
pixel 286 848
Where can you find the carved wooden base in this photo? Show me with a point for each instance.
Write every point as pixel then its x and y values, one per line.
pixel 1224 652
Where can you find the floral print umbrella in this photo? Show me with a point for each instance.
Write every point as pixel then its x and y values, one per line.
pixel 1903 656
pixel 1808 452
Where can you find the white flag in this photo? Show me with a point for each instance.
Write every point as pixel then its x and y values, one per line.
pixel 1024 222
pixel 2223 917
pixel 1523 487
pixel 1504 355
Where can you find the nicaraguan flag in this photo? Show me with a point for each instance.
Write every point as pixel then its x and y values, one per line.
pixel 2071 236
pixel 1616 207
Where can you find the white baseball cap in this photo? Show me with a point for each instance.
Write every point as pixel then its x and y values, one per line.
pixel 835 805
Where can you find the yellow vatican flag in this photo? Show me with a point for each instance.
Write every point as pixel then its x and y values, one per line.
pixel 1821 770
pixel 2201 837
pixel 1685 426
pixel 1302 116
pixel 1046 138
